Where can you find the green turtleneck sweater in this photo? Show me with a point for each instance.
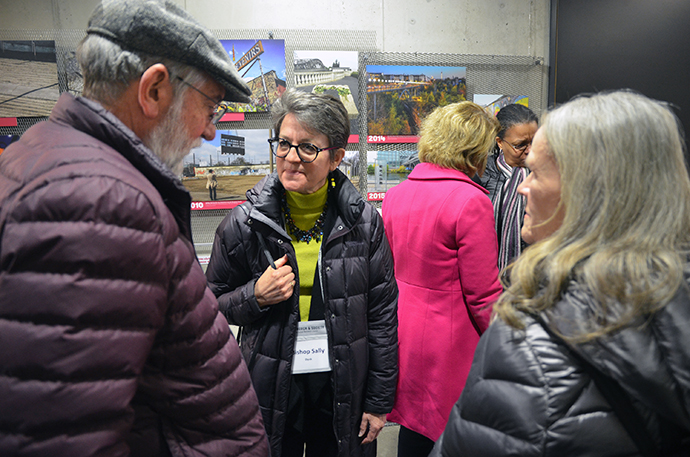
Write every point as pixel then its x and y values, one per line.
pixel 305 211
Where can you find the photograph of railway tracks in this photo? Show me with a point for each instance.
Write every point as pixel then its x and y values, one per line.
pixel 28 78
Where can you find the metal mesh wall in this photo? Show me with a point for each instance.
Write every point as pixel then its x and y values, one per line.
pixel 204 224
pixel 486 74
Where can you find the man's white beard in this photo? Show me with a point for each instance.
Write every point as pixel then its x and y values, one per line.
pixel 170 140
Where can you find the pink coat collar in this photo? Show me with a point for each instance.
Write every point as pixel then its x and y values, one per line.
pixel 429 171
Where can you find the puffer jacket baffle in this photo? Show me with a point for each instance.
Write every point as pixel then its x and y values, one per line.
pixel 111 343
pixel 361 299
pixel 528 395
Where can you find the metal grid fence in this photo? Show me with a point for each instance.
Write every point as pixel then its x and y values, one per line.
pixel 486 74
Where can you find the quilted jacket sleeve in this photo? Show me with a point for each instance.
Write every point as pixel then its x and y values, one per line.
pixel 383 323
pixel 230 273
pixel 526 396
pixel 197 378
pixel 82 294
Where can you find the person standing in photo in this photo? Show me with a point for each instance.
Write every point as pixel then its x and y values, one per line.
pixel 211 184
pixel 505 171
pixel 305 268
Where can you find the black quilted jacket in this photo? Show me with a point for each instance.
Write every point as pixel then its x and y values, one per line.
pixel 492 179
pixel 360 292
pixel 528 395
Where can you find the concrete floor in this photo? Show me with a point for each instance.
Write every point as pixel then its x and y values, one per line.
pixel 387 445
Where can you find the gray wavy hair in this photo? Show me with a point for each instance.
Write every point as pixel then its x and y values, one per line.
pixel 626 194
pixel 109 70
pixel 319 113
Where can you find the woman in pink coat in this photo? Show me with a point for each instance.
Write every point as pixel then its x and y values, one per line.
pixel 440 226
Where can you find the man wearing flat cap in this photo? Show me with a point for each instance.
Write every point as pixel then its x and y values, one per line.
pixel 111 344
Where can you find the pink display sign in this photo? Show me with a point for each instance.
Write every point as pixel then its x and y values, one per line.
pixel 196 206
pixel 375 196
pixel 382 139
pixel 232 117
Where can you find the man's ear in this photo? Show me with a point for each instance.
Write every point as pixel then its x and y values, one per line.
pixel 155 91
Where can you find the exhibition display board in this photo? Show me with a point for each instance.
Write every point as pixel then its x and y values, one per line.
pixel 465 77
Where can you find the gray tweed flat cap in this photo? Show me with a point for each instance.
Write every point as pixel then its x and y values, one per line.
pixel 161 28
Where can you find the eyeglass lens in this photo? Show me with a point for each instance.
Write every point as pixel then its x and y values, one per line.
pixel 307 152
pixel 220 111
pixel 521 147
pixel 219 108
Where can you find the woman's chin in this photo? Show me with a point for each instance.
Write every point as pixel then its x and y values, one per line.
pixel 293 186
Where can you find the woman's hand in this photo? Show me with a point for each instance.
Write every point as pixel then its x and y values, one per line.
pixel 274 286
pixel 375 423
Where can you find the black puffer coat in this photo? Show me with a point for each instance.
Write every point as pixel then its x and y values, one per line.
pixel 360 292
pixel 527 395
pixel 111 343
pixel 492 179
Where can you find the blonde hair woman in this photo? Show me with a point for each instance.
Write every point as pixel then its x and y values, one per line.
pixel 591 351
pixel 440 225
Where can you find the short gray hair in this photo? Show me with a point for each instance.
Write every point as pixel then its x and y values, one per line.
pixel 109 70
pixel 319 113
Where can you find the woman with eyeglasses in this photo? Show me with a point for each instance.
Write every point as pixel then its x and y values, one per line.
pixel 305 269
pixel 505 170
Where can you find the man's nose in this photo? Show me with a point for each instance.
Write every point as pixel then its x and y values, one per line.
pixel 209 132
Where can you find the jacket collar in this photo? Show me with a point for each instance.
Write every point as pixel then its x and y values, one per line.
pixel 266 195
pixel 91 118
pixel 430 171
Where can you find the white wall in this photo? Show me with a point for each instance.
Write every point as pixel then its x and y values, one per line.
pixel 493 27
pixel 503 27
pixel 45 14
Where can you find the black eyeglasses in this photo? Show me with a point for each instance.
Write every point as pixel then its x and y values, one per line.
pixel 219 108
pixel 306 152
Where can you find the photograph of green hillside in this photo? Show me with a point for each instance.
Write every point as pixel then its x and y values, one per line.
pixel 399 97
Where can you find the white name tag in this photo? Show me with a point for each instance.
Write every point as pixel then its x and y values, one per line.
pixel 311 348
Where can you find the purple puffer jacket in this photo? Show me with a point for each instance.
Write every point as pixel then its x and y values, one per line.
pixel 111 344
